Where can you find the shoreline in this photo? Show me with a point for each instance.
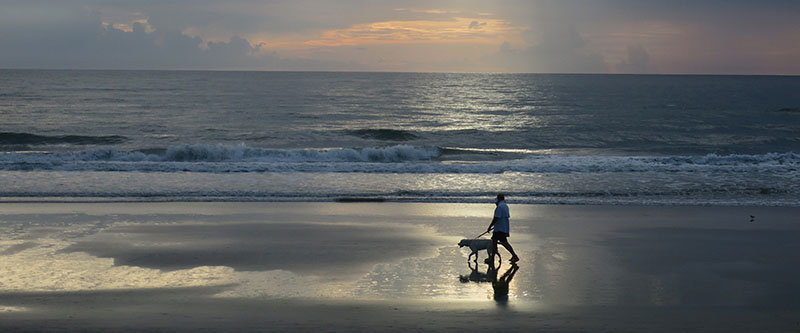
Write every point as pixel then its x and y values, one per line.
pixel 787 203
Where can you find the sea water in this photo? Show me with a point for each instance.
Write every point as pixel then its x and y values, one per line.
pixel 323 136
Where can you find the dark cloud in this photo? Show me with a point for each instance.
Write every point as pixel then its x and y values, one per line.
pixel 245 17
pixel 476 24
pixel 74 37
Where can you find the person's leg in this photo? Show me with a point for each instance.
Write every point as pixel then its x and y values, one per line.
pixel 508 247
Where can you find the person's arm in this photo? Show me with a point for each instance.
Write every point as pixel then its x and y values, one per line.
pixel 491 225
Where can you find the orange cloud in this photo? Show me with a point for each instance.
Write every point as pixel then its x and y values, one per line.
pixel 455 30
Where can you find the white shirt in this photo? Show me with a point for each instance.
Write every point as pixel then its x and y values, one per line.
pixel 502 214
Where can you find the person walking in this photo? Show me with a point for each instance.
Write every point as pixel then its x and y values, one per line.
pixel 502 228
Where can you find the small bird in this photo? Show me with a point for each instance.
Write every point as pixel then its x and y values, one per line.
pixel 752 218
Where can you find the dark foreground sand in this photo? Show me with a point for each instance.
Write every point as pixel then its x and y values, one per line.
pixel 395 266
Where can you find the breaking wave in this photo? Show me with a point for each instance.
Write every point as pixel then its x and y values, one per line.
pixel 217 153
pixel 206 158
pixel 394 159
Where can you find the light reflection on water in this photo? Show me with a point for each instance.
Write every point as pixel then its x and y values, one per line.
pixel 38 250
pixel 40 256
pixel 6 308
pixel 43 267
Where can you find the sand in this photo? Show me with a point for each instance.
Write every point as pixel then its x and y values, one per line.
pixel 395 266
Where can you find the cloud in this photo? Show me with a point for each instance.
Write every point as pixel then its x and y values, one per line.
pixel 697 37
pixel 554 48
pixel 476 25
pixel 417 31
pixel 74 37
pixel 638 61
pixel 680 36
pixel 151 34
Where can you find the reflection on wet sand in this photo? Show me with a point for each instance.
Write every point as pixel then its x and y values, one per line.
pixel 500 285
pixel 585 268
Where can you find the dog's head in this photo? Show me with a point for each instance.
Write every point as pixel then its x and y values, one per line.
pixel 464 242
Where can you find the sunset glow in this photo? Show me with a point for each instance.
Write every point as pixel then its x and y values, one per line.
pixel 505 36
pixel 459 30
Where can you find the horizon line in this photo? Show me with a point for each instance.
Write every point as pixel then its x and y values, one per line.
pixel 386 72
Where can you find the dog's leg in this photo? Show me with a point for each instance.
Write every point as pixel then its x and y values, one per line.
pixel 475 251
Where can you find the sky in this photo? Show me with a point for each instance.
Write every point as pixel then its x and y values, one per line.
pixel 526 36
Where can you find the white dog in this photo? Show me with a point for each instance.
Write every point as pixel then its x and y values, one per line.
pixel 476 245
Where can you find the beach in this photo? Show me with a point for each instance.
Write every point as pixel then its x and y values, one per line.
pixel 395 266
pixel 322 166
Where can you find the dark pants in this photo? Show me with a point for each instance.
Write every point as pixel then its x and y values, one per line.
pixel 500 236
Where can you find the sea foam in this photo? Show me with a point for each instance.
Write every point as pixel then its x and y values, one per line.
pixel 393 159
pixel 231 153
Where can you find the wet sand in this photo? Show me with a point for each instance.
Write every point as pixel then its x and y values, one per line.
pixel 395 266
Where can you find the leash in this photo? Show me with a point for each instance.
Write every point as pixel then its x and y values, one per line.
pixel 485 232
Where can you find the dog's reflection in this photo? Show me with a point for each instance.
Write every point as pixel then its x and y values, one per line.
pixel 499 284
pixel 475 275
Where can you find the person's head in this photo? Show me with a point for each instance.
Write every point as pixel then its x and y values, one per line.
pixel 500 197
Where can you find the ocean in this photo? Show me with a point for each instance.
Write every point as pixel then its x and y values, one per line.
pixel 97 136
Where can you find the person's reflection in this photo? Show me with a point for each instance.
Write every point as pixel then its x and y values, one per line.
pixel 499 285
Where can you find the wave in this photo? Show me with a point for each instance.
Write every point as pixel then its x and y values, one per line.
pixel 217 153
pixel 394 159
pixel 10 138
pixel 384 134
pixel 227 153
